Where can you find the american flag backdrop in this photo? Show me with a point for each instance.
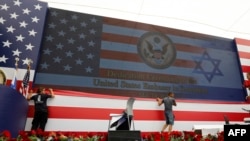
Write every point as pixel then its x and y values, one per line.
pixel 21 29
pixel 79 49
pixel 96 54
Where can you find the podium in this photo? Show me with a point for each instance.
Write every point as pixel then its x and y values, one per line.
pixel 13 110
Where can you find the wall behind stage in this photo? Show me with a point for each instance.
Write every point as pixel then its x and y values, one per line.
pixel 102 55
pixel 108 56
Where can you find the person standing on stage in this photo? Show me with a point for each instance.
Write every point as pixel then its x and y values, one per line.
pixel 41 108
pixel 168 102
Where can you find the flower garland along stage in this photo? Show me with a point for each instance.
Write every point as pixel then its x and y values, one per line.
pixel 39 135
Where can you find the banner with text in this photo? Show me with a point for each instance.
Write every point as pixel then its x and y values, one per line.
pixel 103 55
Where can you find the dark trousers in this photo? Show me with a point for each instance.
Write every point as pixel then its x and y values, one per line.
pixel 39 120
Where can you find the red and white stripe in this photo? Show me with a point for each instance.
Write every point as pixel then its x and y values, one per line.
pixel 243 47
pixel 79 112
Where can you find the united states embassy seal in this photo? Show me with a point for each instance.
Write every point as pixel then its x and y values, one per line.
pixel 156 50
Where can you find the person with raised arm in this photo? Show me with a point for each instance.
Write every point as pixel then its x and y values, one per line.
pixel 41 108
pixel 169 102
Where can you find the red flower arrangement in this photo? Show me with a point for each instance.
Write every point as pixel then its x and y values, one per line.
pixel 103 136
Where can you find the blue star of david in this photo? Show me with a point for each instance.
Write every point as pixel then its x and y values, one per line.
pixel 207 66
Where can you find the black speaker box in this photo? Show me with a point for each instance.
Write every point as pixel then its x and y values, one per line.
pixel 121 135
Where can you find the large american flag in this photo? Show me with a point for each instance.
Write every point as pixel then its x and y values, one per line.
pixel 97 54
pixel 80 111
pixel 21 29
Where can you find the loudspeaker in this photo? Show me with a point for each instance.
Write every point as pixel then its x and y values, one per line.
pixel 121 135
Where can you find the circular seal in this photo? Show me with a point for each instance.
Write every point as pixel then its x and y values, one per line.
pixel 156 50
